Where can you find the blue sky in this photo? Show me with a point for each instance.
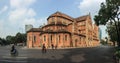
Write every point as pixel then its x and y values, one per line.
pixel 14 14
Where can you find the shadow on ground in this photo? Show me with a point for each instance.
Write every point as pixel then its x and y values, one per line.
pixel 79 55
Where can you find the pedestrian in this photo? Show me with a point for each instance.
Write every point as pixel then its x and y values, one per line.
pixel 43 48
pixel 13 51
pixel 52 46
pixel 56 47
pixel 12 48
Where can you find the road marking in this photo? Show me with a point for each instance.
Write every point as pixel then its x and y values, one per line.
pixel 19 57
pixel 13 61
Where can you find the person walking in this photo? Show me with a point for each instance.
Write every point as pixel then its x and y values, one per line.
pixel 43 48
pixel 56 47
pixel 52 46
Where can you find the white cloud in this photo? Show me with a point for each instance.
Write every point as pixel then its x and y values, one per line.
pixel 21 13
pixel 35 22
pixel 3 9
pixel 21 3
pixel 17 14
pixel 3 31
pixel 91 6
pixel 29 21
pixel 40 21
pixel 21 10
pixel 1 25
pixel 31 13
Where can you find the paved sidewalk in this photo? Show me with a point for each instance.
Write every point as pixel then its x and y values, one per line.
pixel 57 48
pixel 103 54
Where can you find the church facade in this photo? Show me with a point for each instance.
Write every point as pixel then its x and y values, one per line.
pixel 63 31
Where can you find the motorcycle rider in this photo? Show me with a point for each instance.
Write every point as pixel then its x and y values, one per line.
pixel 13 51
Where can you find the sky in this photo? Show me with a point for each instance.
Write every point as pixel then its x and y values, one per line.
pixel 15 14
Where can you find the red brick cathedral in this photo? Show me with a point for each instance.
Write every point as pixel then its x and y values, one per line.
pixel 64 31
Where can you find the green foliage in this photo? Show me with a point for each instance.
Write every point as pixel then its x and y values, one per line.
pixel 103 42
pixel 110 13
pixel 3 42
pixel 117 52
pixel 10 39
pixel 19 38
pixel 112 32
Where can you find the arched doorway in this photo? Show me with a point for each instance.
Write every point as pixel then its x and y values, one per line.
pixel 76 42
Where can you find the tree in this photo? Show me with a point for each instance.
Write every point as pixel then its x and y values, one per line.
pixel 110 12
pixel 18 38
pixel 3 41
pixel 10 39
pixel 112 32
pixel 103 42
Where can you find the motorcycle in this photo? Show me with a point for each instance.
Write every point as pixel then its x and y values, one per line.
pixel 14 52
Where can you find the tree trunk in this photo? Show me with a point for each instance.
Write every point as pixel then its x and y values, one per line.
pixel 113 43
pixel 118 25
pixel 118 40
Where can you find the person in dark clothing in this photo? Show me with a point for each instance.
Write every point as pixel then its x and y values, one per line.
pixel 52 46
pixel 56 47
pixel 13 51
pixel 43 49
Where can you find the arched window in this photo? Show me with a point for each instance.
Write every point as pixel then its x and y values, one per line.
pixel 51 37
pixel 65 37
pixel 76 40
pixel 29 38
pixel 59 37
pixel 34 38
pixel 44 38
pixel 80 40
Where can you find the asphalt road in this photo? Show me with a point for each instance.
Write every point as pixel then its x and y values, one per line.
pixel 102 54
